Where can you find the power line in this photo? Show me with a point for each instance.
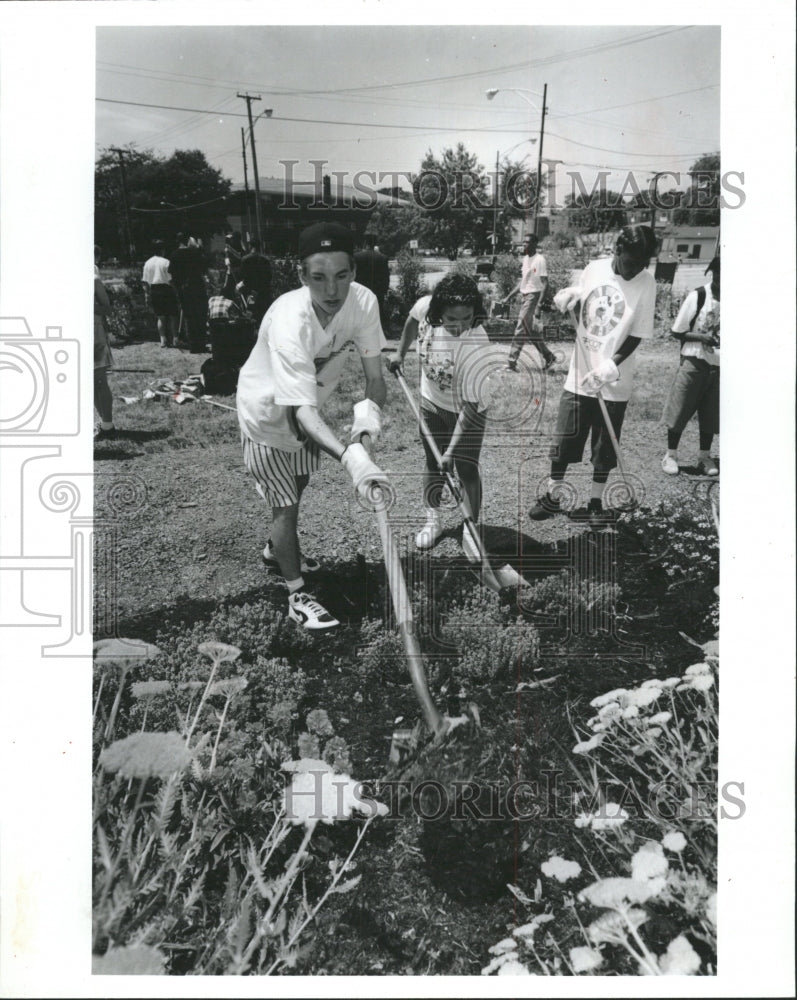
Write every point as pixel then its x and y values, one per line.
pixel 475 74
pixel 433 128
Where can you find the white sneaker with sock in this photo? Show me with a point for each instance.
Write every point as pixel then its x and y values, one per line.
pixel 309 565
pixel 305 609
pixel 431 531
pixel 669 464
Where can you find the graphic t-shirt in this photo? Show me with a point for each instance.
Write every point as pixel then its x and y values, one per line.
pixel 611 309
pixel 532 269
pixel 297 362
pixel 451 367
pixel 708 322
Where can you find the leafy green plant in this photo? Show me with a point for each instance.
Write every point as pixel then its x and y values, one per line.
pixel 682 541
pixel 411 284
pixel 507 273
pixel 192 865
pixel 488 644
pixel 565 598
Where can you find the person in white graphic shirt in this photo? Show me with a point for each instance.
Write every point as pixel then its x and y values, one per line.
pixel 614 304
pixel 295 365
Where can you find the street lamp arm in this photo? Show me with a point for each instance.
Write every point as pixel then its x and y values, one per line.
pixel 520 91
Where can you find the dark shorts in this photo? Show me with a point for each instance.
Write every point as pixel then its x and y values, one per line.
pixel 695 389
pixel 578 417
pixel 441 424
pixel 163 300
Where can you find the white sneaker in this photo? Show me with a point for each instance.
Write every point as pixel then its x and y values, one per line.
pixel 309 565
pixel 669 465
pixel 305 609
pixel 469 547
pixel 430 532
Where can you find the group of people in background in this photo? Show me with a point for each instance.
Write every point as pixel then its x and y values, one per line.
pixel 176 288
pixel 305 335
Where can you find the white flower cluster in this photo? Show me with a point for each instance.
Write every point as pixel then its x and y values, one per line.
pixel 316 794
pixel 506 961
pixel 624 704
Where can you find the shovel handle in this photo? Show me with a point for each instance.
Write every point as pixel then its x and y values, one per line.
pixel 403 609
pixel 601 402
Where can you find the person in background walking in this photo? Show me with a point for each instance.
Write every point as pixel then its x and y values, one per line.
pixel 187 269
pixel 103 359
pixel 373 271
pixel 159 294
pixel 696 386
pixel 532 286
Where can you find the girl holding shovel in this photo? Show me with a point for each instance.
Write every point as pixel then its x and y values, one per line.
pixel 447 324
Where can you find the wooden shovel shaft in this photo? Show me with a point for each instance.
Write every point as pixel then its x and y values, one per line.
pixel 601 403
pixel 489 576
pixel 403 609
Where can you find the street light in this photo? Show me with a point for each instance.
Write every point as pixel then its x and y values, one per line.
pixel 521 92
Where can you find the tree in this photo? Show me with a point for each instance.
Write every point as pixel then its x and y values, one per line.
pixel 165 195
pixel 598 211
pixel 393 226
pixel 451 192
pixel 700 204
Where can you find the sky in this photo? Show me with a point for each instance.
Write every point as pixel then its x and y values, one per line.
pixel 639 98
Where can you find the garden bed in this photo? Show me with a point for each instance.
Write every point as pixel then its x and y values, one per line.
pixel 422 893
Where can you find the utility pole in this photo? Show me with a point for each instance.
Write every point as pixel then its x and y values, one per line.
pixel 249 98
pixel 539 161
pixel 246 182
pixel 130 248
pixel 495 207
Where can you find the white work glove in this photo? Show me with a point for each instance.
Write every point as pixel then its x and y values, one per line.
pixel 593 382
pixel 567 299
pixel 367 420
pixel 364 473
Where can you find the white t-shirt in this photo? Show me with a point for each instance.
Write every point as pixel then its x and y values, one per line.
pixel 451 369
pixel 611 310
pixel 156 271
pixel 707 322
pixel 296 362
pixel 532 269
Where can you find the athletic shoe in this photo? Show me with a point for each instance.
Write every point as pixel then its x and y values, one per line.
pixel 545 508
pixel 708 466
pixel 581 514
pixel 101 434
pixel 669 465
pixel 511 366
pixel 429 533
pixel 305 609
pixel 309 565
pixel 469 546
pixel 597 516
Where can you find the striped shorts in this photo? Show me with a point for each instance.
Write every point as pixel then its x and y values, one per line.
pixel 275 471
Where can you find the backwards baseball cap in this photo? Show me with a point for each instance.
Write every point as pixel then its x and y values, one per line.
pixel 325 237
